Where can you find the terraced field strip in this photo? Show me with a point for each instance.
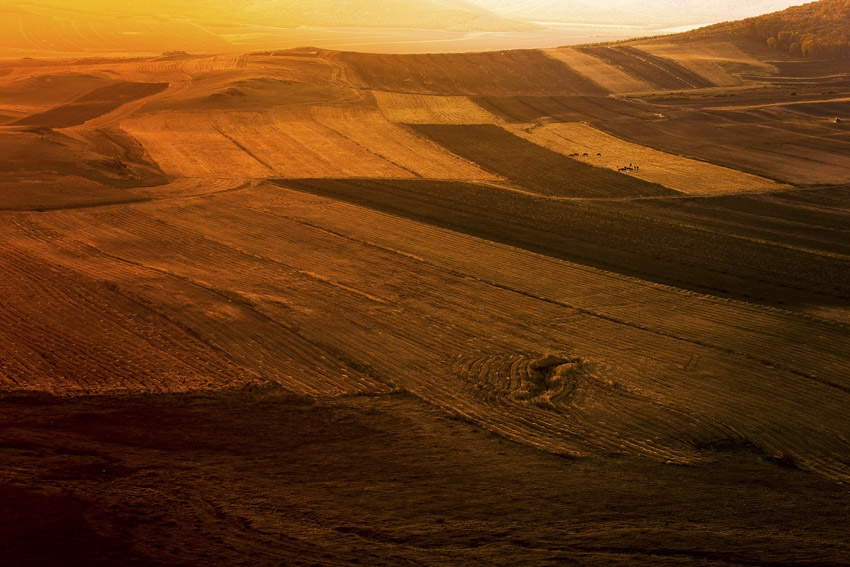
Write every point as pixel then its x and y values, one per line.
pixel 291 142
pixel 685 175
pixel 417 155
pixel 431 109
pixel 534 167
pixel 727 369
pixel 525 109
pixel 501 72
pixel 601 72
pixel 783 152
pixel 186 144
pixel 664 74
pixel 717 61
pixel 798 219
pixel 215 63
pixel 829 103
pixel 612 236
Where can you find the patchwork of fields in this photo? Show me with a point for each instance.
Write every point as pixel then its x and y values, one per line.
pixel 335 291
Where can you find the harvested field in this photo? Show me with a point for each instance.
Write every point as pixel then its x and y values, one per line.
pixel 661 73
pixel 493 73
pixel 674 172
pixel 610 77
pixel 398 145
pixel 431 109
pixel 189 145
pixel 509 269
pixel 728 261
pixel 91 105
pixel 534 167
pixel 258 350
pixel 286 286
pixel 251 144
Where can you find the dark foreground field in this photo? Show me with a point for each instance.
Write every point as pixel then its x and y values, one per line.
pixel 262 477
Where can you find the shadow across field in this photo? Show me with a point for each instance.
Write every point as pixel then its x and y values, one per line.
pixel 521 71
pixel 663 73
pixel 91 105
pixel 534 167
pixel 695 254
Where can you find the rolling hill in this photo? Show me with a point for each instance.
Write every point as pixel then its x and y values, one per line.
pixel 818 30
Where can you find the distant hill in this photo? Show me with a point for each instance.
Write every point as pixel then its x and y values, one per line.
pixel 635 12
pixel 819 30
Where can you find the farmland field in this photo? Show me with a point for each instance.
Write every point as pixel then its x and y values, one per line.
pixel 506 72
pixel 533 167
pixel 584 305
pixel 660 72
pixel 675 172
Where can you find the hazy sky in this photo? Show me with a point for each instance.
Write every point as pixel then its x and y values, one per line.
pixel 636 11
pixel 72 26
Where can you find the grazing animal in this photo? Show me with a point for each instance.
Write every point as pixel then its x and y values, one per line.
pixel 837 120
pixel 584 154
